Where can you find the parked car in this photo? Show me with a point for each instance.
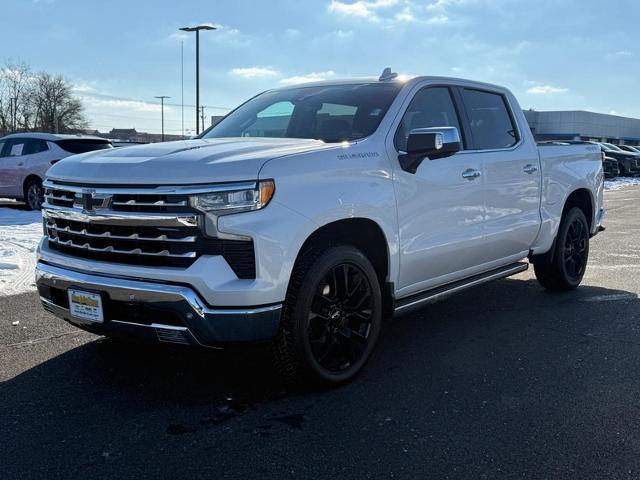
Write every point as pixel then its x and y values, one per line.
pixel 630 148
pixel 628 163
pixel 611 167
pixel 310 213
pixel 25 158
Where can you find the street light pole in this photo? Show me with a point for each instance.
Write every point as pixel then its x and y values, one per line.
pixel 197 29
pixel 162 97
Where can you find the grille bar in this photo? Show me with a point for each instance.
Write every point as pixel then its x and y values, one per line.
pixel 133 236
pixel 111 249
pixel 159 203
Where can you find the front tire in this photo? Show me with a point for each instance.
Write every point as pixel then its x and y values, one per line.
pixel 331 319
pixel 33 195
pixel 570 256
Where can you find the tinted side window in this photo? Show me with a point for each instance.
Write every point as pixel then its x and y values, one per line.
pixel 430 107
pixel 35 145
pixel 15 148
pixel 489 120
pixel 83 146
pixel 2 144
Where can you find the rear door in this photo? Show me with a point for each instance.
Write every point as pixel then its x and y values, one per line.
pixel 441 206
pixel 512 174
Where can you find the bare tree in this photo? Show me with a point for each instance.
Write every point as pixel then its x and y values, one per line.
pixel 41 102
pixel 55 107
pixel 15 103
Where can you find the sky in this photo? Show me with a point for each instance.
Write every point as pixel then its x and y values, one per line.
pixel 553 54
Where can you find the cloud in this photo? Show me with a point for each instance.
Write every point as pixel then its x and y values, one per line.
pixel 361 8
pixel 83 88
pixel 618 55
pixel 546 90
pixel 438 20
pixel 254 72
pixel 134 105
pixel 309 77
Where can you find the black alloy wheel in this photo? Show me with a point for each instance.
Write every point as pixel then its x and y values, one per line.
pixel 331 318
pixel 340 318
pixel 570 256
pixel 576 249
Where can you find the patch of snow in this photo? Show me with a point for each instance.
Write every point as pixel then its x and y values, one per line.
pixel 620 182
pixel 20 233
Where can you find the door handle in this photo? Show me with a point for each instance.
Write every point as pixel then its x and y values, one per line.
pixel 530 169
pixel 471 174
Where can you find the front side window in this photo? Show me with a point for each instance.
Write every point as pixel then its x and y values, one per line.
pixel 331 113
pixel 16 147
pixel 490 122
pixel 430 107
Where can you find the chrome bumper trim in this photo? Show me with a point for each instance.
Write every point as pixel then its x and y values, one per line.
pixel 208 326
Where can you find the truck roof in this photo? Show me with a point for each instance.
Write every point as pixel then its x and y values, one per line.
pixel 400 79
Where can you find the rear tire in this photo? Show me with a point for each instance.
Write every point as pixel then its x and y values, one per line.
pixel 33 195
pixel 331 318
pixel 570 256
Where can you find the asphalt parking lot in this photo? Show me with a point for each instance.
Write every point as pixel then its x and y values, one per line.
pixel 504 381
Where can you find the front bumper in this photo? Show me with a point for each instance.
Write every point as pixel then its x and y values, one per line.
pixel 155 311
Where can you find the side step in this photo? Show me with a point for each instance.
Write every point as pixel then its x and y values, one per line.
pixel 433 295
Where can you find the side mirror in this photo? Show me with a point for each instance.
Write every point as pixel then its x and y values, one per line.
pixel 432 143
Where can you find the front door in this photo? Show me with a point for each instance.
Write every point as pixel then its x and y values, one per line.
pixel 12 167
pixel 440 207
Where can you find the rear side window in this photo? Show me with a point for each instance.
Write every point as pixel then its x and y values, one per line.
pixel 430 107
pixel 35 145
pixel 83 146
pixel 490 121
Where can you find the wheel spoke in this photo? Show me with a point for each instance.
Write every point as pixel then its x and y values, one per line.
pixel 340 317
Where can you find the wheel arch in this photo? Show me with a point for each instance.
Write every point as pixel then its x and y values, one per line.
pixel 364 234
pixel 27 180
pixel 580 197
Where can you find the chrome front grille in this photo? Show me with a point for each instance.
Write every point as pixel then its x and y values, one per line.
pixel 135 226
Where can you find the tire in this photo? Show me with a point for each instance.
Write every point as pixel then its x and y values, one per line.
pixel 570 256
pixel 623 171
pixel 33 195
pixel 331 318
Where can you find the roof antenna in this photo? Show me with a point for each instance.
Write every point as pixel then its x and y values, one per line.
pixel 387 75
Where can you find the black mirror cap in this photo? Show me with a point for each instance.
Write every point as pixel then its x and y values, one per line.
pixel 431 143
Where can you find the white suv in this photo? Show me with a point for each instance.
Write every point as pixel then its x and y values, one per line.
pixel 26 157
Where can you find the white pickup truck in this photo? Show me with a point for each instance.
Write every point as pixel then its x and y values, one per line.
pixel 311 213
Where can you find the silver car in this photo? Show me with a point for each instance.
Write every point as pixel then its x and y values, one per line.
pixel 25 158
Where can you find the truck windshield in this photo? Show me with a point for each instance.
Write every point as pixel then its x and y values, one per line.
pixel 333 113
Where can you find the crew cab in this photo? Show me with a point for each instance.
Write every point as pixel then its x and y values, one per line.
pixel 311 213
pixel 26 157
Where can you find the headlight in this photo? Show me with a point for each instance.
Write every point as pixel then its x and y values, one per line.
pixel 235 198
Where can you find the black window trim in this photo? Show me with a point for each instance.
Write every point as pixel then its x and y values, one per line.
pixel 509 108
pixel 457 105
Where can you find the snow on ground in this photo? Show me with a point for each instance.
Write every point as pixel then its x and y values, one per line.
pixel 620 182
pixel 20 233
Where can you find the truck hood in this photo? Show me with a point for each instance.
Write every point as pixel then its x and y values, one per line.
pixel 181 162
